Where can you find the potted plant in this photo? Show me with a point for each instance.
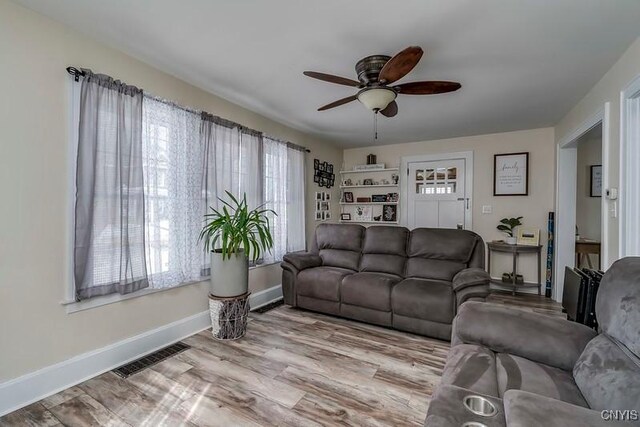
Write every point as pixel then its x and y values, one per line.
pixel 233 235
pixel 508 226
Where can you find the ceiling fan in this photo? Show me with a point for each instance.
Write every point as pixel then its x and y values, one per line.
pixel 376 73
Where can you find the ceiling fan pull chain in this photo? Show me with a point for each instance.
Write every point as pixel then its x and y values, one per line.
pixel 375 125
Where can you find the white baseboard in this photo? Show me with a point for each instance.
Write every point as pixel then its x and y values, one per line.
pixel 266 296
pixel 30 388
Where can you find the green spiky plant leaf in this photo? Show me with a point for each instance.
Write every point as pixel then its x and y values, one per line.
pixel 235 229
pixel 508 225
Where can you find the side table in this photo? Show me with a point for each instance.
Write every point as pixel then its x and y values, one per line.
pixel 229 316
pixel 515 251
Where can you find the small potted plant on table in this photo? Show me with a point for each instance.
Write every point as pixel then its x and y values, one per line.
pixel 508 226
pixel 233 235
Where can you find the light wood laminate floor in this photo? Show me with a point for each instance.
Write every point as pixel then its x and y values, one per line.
pixel 293 368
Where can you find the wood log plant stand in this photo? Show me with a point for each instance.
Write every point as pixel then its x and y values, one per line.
pixel 229 316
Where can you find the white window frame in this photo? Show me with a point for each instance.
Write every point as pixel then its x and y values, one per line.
pixel 629 219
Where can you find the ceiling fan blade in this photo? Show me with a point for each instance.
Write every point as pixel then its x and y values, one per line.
pixel 338 102
pixel 400 65
pixel 427 88
pixel 390 110
pixel 332 79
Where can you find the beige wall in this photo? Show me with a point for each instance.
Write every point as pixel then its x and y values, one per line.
pixel 535 207
pixel 588 209
pixel 35 329
pixel 606 90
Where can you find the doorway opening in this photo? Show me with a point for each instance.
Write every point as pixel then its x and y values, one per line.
pixel 581 227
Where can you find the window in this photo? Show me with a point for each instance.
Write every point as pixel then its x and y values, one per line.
pixel 159 170
pixel 172 166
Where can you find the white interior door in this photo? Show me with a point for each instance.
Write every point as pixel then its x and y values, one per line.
pixel 436 194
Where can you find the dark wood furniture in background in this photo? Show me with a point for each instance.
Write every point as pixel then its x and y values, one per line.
pixel 515 251
pixel 585 247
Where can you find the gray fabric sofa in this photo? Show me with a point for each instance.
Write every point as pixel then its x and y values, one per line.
pixel 540 370
pixel 389 276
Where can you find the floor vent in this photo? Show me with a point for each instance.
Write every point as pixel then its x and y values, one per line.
pixel 269 306
pixel 149 360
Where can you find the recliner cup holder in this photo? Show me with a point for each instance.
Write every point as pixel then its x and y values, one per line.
pixel 473 424
pixel 479 406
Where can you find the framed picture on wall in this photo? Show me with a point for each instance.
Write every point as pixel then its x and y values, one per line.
pixel 595 182
pixel 511 174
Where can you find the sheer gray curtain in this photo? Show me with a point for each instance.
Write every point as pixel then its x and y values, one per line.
pixel 109 252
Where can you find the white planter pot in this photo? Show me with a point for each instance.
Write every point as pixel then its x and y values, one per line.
pixel 229 277
pixel 511 240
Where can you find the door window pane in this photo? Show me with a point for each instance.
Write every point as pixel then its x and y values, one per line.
pixel 452 173
pixel 442 173
pixel 419 175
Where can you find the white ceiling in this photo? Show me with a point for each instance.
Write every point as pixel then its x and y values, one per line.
pixel 522 63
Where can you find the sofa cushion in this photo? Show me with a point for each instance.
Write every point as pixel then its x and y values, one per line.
pixel 371 290
pixel 322 282
pixel 384 250
pixel 518 373
pixel 472 367
pixel 443 244
pixel 608 376
pixel 438 253
pixel 618 303
pixel 529 409
pixel 424 299
pixel 340 245
pixel 436 269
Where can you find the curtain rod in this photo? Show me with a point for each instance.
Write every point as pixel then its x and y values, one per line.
pixel 78 72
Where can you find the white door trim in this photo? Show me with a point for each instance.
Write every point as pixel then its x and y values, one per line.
pixel 566 193
pixel 626 181
pixel 468 181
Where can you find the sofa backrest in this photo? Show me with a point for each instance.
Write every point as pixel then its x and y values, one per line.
pixel 339 245
pixel 385 249
pixel 608 370
pixel 439 253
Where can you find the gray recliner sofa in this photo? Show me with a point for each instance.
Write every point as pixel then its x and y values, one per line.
pixel 389 276
pixel 543 371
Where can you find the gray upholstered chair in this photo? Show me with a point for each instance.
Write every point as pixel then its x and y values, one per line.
pixel 390 276
pixel 543 371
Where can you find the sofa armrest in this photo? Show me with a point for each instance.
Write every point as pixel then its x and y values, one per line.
pixel 549 340
pixel 302 260
pixel 523 408
pixel 470 277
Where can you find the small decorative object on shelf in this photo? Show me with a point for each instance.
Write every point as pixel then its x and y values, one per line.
pixel 345 217
pixel 367 181
pixel 377 218
pixel 371 159
pixel 379 198
pixel 323 173
pixel 373 167
pixel 229 316
pixel 347 182
pixel 363 199
pixel 348 197
pixel 528 236
pixel 363 213
pixel 392 197
pixel 389 213
pixel 394 178
pixel 508 226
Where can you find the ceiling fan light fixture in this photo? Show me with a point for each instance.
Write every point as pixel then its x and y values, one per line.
pixel 376 99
